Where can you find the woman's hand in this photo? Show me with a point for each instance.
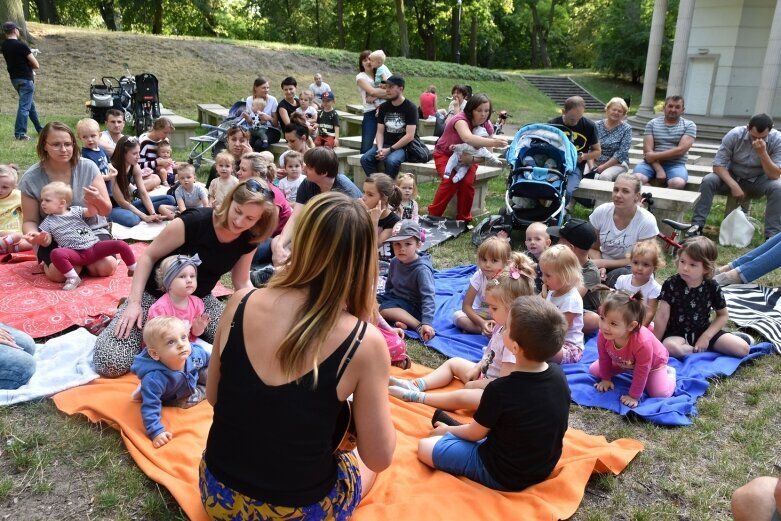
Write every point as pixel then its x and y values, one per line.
pixel 38 238
pixel 7 339
pixel 132 316
pixel 92 196
pixel 488 327
pixel 154 218
pixel 498 142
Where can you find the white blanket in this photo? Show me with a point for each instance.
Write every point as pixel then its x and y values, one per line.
pixel 61 363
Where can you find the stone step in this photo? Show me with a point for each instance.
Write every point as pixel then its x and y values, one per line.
pixel 560 88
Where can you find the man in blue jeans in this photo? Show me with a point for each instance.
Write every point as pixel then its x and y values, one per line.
pixel 397 122
pixel 20 62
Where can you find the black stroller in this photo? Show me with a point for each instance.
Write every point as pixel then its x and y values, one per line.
pixel 137 96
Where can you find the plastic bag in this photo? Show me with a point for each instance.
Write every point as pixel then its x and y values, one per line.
pixel 736 230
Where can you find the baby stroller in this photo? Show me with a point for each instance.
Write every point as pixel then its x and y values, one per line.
pixel 146 102
pixel 104 96
pixel 207 146
pixel 540 158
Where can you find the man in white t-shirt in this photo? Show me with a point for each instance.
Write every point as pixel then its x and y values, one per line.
pixel 319 87
pixel 115 124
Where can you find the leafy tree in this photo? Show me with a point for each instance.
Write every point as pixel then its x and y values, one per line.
pixel 622 43
pixel 14 11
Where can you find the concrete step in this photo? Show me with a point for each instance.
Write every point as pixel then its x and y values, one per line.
pixel 560 88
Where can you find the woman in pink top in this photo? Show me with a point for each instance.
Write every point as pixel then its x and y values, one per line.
pixel 626 345
pixel 458 129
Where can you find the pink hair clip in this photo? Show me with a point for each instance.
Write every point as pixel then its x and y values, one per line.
pixel 515 274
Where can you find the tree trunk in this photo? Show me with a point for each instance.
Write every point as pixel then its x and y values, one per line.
pixel 25 8
pixel 540 54
pixel 157 18
pixel 473 41
pixel 108 14
pixel 317 23
pixel 401 19
pixel 47 11
pixel 206 9
pixel 13 10
pixel 340 21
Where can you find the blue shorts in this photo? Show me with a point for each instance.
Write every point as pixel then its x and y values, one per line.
pixel 391 300
pixel 459 457
pixel 672 170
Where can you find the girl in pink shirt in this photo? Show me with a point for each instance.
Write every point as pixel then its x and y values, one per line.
pixel 624 344
pixel 177 275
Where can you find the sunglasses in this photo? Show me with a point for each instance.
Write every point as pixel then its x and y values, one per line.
pixel 254 186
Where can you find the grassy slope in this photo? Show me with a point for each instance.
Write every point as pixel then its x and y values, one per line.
pixel 56 467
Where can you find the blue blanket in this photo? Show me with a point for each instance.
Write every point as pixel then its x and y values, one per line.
pixel 692 382
pixel 692 373
pixel 451 286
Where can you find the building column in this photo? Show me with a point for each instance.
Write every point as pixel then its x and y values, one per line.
pixel 771 67
pixel 680 56
pixel 653 56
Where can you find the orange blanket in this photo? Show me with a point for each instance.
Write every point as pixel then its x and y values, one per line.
pixel 40 308
pixel 407 490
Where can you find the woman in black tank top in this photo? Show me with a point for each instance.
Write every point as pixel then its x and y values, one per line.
pixel 285 360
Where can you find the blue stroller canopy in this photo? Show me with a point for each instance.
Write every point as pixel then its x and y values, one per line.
pixel 548 134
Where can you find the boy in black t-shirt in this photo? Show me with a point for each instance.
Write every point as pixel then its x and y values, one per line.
pixel 327 123
pixel 516 436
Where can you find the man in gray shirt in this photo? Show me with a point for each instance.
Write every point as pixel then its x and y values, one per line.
pixel 748 163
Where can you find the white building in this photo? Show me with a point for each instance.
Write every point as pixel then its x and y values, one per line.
pixel 725 62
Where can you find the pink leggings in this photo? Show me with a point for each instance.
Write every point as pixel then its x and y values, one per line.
pixel 64 259
pixel 660 384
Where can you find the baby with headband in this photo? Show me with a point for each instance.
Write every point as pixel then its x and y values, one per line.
pixel 177 275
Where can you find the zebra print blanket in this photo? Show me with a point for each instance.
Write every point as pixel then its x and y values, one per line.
pixel 756 307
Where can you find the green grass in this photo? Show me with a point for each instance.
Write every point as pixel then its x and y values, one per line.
pixel 684 473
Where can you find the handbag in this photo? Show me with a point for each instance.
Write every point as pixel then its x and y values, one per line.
pixel 439 126
pixel 736 230
pixel 417 151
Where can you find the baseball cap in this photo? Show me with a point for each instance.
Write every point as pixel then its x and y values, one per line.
pixel 405 229
pixel 577 232
pixel 9 26
pixel 328 96
pixel 395 80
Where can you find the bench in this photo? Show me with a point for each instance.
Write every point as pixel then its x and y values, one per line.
pixel 184 129
pixel 355 108
pixel 350 124
pixel 638 153
pixel 342 153
pixel 212 113
pixel 668 204
pixel 427 172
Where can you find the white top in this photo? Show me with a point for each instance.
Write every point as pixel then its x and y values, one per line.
pixel 616 244
pixel 318 91
pixel 367 107
pixel 496 354
pixel 650 290
pixel 571 302
pixel 479 282
pixel 290 187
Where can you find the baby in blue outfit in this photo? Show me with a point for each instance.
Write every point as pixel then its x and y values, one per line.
pixel 170 369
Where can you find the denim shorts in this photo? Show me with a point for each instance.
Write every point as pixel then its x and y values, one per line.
pixel 459 457
pixel 672 170
pixel 390 300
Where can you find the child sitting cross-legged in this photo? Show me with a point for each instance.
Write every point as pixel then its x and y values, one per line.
pixel 625 344
pixel 77 245
pixel 172 372
pixel 493 254
pixel 682 320
pixel 516 280
pixel 408 301
pixel 177 275
pixel 516 437
pixel 188 194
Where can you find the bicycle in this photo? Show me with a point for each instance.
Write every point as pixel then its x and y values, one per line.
pixel 685 230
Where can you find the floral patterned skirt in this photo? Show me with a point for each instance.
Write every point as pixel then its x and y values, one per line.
pixel 222 502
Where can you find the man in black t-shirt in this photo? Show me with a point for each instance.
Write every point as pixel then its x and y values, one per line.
pixel 21 63
pixel 397 122
pixel 583 134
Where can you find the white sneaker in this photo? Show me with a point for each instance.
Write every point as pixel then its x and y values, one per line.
pixel 71 283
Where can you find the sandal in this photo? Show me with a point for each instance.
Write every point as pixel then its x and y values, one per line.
pixel 97 323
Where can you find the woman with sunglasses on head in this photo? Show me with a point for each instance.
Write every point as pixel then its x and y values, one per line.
pixel 225 240
pixel 60 160
pixel 127 209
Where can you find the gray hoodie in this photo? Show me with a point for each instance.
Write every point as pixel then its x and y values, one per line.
pixel 414 282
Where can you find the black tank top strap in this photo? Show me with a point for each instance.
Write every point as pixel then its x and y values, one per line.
pixel 357 337
pixel 236 334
